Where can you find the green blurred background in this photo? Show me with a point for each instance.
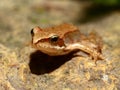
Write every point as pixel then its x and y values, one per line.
pixel 107 2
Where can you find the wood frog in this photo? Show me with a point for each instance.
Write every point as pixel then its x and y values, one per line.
pixel 65 38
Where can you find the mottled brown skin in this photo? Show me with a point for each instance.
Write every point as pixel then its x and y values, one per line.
pixel 65 38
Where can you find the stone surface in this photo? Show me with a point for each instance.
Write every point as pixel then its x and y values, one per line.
pixel 23 68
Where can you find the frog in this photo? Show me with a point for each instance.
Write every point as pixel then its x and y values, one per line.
pixel 65 38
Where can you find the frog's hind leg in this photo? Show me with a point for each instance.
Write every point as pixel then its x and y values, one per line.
pixel 97 40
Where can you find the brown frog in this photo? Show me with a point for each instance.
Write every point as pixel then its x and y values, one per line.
pixel 65 38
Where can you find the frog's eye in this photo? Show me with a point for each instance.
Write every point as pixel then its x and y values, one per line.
pixel 54 38
pixel 32 32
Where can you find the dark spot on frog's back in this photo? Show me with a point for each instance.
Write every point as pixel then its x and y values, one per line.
pixel 41 63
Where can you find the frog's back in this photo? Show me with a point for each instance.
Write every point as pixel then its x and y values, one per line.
pixel 61 29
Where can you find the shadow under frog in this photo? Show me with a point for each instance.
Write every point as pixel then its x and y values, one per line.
pixel 41 63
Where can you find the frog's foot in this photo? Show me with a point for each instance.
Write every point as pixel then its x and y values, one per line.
pixel 97 56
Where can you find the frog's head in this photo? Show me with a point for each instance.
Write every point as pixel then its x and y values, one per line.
pixel 51 40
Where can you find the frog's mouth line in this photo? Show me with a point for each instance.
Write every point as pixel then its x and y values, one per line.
pixel 52 47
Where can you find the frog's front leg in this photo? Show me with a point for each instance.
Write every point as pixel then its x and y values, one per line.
pixel 92 52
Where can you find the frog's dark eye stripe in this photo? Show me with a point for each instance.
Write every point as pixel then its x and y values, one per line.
pixel 32 32
pixel 54 38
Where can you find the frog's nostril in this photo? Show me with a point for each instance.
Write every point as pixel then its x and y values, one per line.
pixel 32 32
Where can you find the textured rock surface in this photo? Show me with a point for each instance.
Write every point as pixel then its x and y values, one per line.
pixel 22 68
